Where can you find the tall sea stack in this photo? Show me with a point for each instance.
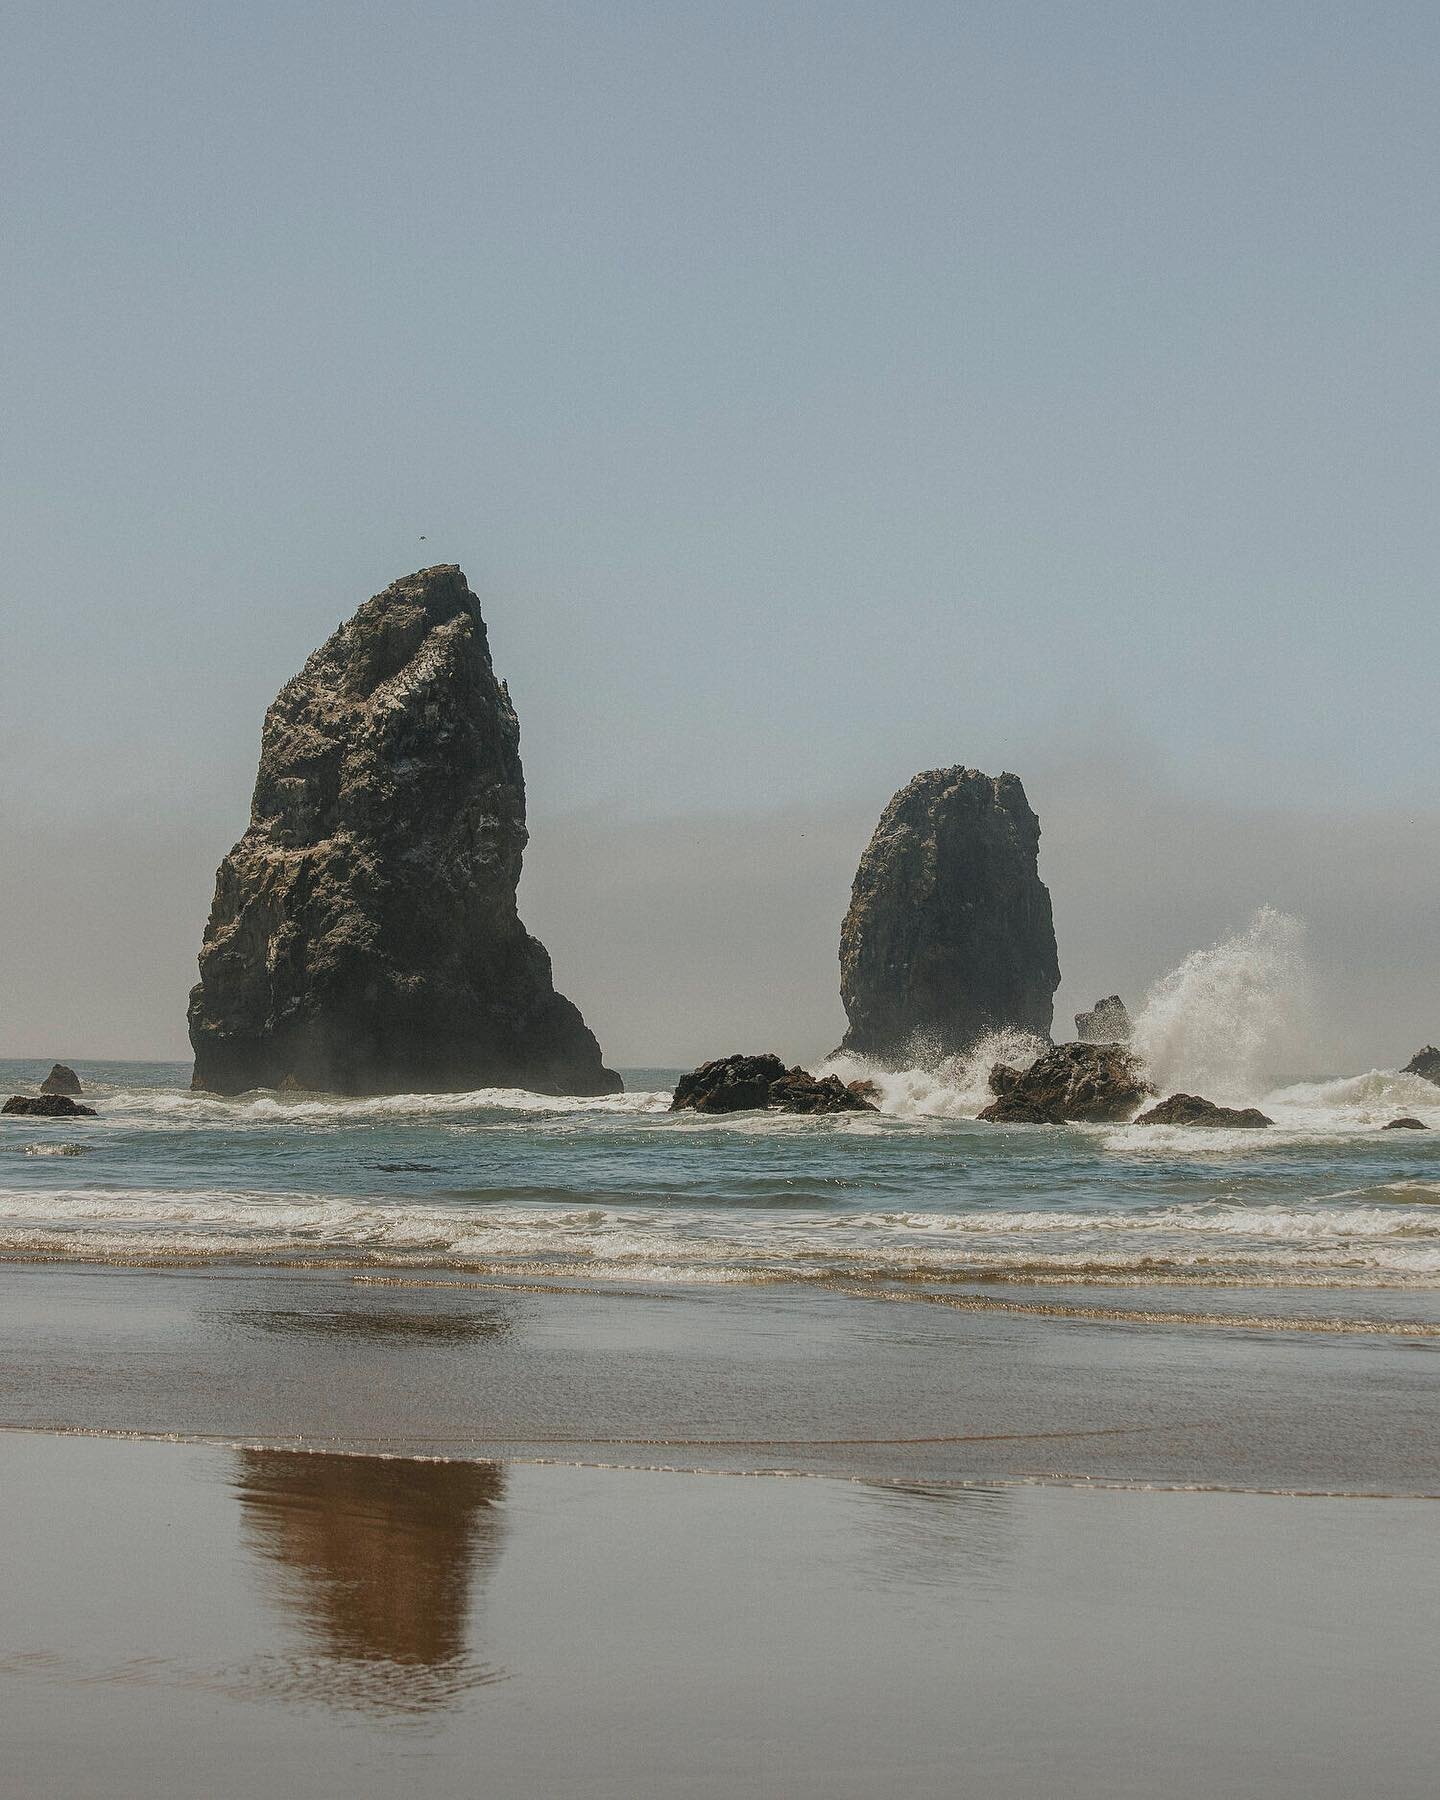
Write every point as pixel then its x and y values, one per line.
pixel 364 937
pixel 949 933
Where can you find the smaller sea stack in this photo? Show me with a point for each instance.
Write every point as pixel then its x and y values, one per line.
pixel 1107 1022
pixel 763 1083
pixel 61 1080
pixel 949 933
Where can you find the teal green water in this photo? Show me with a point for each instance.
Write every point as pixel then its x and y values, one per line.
pixel 622 1189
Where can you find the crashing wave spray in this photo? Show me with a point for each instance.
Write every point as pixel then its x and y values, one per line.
pixel 934 1085
pixel 1231 1019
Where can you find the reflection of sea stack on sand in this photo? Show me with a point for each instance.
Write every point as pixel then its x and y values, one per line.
pixel 379 1553
pixel 949 935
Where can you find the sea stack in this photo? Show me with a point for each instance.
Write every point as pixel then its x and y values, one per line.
pixel 364 937
pixel 949 933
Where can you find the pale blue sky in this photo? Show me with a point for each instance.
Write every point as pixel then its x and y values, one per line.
pixel 814 393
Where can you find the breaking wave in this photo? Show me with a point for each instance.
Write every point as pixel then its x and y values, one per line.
pixel 1383 1236
pixel 1232 1018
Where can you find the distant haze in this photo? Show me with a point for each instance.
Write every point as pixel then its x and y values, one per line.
pixel 691 936
pixel 812 394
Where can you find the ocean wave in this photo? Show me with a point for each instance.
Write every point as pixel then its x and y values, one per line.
pixel 642 1243
pixel 171 1106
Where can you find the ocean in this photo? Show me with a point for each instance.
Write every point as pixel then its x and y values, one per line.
pixel 621 1190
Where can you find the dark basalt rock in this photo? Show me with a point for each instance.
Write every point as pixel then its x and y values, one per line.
pixel 755 1083
pixel 61 1080
pixel 1425 1062
pixel 1107 1022
pixel 949 933
pixel 1406 1124
pixel 47 1106
pixel 364 937
pixel 1190 1109
pixel 1072 1082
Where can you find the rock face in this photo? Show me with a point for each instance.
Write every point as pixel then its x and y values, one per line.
pixel 1107 1022
pixel 752 1083
pixel 1088 1082
pixel 1406 1124
pixel 949 933
pixel 1425 1062
pixel 47 1106
pixel 364 937
pixel 61 1080
pixel 1190 1109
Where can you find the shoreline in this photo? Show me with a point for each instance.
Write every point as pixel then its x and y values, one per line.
pixel 802 1380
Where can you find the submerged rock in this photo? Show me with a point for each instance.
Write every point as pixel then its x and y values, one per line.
pixel 364 936
pixel 61 1080
pixel 949 933
pixel 1107 1022
pixel 47 1106
pixel 1072 1082
pixel 1425 1062
pixel 1406 1124
pixel 755 1083
pixel 1191 1109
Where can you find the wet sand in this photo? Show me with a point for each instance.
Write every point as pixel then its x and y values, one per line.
pixel 185 1620
pixel 902 1547
pixel 1335 1393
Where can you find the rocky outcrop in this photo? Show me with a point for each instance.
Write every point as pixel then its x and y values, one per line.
pixel 1406 1124
pixel 949 933
pixel 61 1080
pixel 754 1083
pixel 1072 1082
pixel 364 936
pixel 1425 1062
pixel 1190 1109
pixel 1107 1022
pixel 47 1106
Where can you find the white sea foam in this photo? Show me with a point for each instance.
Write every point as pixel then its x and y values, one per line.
pixel 1351 1244
pixel 942 1087
pixel 175 1107
pixel 1231 1017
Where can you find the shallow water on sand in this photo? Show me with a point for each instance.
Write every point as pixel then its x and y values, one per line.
pixel 620 1189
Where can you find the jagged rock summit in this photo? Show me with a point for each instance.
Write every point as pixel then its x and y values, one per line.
pixel 364 936
pixel 1425 1062
pixel 949 933
pixel 1107 1022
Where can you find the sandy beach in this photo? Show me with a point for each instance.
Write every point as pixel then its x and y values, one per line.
pixel 319 1532
pixel 185 1620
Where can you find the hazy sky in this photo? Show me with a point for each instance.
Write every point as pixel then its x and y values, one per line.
pixel 813 394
